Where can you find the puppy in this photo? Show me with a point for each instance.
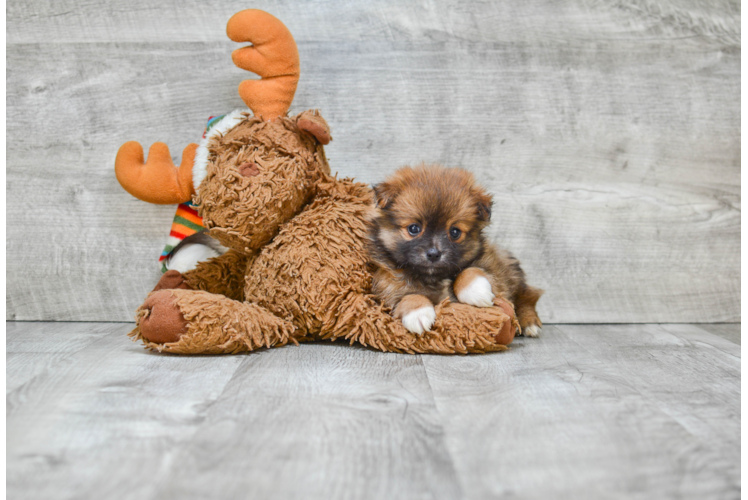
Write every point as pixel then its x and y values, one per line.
pixel 426 244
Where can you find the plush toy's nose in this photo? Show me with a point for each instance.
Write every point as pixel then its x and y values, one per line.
pixel 249 169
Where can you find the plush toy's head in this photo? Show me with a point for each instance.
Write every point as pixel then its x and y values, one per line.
pixel 259 175
pixel 253 171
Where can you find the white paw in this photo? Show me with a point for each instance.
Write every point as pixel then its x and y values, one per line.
pixel 419 320
pixel 531 331
pixel 478 293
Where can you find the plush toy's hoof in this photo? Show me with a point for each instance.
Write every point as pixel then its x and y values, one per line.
pixel 163 321
pixel 509 329
pixel 171 280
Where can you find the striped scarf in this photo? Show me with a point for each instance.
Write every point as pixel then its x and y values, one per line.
pixel 186 221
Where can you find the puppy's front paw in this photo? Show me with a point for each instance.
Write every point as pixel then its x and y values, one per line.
pixel 419 320
pixel 531 331
pixel 476 293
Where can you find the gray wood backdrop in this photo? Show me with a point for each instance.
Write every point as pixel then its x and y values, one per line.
pixel 608 131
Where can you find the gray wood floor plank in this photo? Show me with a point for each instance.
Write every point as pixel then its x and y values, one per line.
pixel 743 435
pixel 594 411
pixel 699 336
pixel 729 331
pixel 585 411
pixel 598 161
pixel 693 376
pixel 32 348
pixel 102 421
pixel 320 421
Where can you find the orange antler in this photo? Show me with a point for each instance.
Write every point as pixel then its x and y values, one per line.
pixel 158 180
pixel 273 55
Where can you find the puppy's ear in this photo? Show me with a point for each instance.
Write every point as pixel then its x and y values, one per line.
pixel 484 202
pixel 385 193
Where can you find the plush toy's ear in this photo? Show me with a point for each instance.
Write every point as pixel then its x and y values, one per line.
pixel 385 193
pixel 312 122
pixel 484 204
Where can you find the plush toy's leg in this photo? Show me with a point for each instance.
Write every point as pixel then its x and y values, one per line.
pixel 459 328
pixel 512 327
pixel 197 322
pixel 222 275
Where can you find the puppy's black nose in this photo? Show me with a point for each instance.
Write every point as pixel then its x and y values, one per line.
pixel 433 254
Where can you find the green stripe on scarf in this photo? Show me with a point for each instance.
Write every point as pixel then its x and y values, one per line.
pixel 181 220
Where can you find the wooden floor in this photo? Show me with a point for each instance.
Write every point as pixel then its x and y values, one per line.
pixel 593 411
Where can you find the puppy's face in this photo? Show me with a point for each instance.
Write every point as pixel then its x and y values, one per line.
pixel 429 220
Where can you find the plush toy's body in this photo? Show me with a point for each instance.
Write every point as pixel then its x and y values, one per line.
pixel 296 268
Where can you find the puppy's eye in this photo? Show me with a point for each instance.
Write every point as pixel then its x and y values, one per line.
pixel 414 229
pixel 455 233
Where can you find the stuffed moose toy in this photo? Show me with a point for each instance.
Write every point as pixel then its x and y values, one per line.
pixel 296 266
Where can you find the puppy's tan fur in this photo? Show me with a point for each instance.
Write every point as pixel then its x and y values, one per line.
pixel 450 211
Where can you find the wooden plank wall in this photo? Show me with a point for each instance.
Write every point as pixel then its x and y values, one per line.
pixel 608 132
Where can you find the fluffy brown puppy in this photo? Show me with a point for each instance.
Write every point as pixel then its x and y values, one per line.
pixel 427 244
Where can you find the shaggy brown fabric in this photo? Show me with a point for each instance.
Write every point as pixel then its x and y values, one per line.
pixel 215 324
pixel 298 268
pixel 245 213
pixel 222 275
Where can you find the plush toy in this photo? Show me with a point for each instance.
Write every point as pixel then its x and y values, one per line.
pixel 296 268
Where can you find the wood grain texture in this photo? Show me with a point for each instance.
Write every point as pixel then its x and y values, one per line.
pixel 584 411
pixel 608 132
pixel 322 421
pixel 729 331
pixel 742 464
pixel 32 348
pixel 743 154
pixel 593 20
pixel 103 421
pixel 593 411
